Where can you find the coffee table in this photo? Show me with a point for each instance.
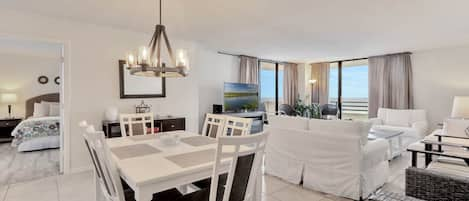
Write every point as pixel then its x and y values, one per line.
pixel 388 135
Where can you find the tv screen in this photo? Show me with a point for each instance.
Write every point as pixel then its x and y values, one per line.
pixel 241 97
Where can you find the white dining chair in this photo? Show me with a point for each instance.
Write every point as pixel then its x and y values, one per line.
pixel 107 176
pixel 245 156
pixel 136 124
pixel 237 126
pixel 213 125
pixel 106 173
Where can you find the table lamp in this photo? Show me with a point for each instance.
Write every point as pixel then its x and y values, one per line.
pixel 461 109
pixel 8 98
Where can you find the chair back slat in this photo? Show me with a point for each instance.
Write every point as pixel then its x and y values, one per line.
pixel 106 173
pixel 213 125
pixel 237 126
pixel 136 124
pixel 245 154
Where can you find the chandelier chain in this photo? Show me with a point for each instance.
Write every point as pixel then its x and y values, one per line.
pixel 160 12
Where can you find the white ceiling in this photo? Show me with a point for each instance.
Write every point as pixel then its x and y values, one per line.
pixel 292 30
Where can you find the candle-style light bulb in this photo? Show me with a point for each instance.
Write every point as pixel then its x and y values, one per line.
pixel 130 60
pixel 143 54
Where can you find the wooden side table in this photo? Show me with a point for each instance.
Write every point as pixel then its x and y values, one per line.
pixel 6 127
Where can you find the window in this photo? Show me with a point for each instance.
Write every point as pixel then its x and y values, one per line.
pixel 355 90
pixel 267 86
pixel 271 85
pixel 349 81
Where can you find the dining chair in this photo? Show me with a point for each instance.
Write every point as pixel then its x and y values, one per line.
pixel 136 124
pixel 245 155
pixel 213 125
pixel 237 126
pixel 107 176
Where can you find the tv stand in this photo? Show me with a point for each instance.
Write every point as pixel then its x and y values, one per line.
pixel 257 116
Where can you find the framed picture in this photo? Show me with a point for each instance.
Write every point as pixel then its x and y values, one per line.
pixel 132 86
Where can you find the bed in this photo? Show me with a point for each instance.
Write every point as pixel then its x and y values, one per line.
pixel 38 133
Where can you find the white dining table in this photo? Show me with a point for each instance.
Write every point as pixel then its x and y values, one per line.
pixel 155 166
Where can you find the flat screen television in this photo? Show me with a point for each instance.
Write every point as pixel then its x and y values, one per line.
pixel 241 97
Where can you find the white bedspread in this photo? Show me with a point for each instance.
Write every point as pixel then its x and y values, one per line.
pixel 37 133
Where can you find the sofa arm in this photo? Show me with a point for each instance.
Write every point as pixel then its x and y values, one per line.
pixel 375 152
pixel 375 121
pixel 421 127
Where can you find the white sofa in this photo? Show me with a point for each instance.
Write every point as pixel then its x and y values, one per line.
pixel 412 122
pixel 330 156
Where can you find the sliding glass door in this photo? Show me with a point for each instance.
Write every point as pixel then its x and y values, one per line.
pixel 355 90
pixel 348 88
pixel 271 85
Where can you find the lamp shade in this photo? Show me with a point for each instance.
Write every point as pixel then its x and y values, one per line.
pixel 460 107
pixel 8 98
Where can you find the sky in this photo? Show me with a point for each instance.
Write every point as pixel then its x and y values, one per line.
pixel 238 87
pixel 267 83
pixel 354 82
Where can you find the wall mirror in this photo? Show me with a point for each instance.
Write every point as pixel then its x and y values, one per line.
pixel 132 86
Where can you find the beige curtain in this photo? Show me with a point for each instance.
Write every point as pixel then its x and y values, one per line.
pixel 290 84
pixel 390 83
pixel 249 70
pixel 320 89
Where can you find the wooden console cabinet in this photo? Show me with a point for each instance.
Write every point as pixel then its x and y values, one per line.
pixel 165 124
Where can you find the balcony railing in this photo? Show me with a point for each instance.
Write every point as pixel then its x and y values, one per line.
pixel 353 108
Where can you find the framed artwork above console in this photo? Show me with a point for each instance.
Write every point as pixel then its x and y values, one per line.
pixel 132 86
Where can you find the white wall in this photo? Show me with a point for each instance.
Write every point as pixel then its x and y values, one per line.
pixel 220 69
pixel 91 77
pixel 19 74
pixel 439 75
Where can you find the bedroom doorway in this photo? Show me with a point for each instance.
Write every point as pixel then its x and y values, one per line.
pixel 31 109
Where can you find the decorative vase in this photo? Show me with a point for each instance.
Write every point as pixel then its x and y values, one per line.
pixel 111 114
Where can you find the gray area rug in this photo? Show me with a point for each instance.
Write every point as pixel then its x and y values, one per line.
pixel 382 195
pixel 19 167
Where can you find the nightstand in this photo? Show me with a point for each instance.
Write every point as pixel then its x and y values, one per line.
pixel 6 127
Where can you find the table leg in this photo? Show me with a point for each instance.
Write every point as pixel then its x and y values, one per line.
pixel 143 194
pixel 428 156
pixel 258 187
pixel 439 146
pixel 391 154
pixel 399 138
pixel 414 159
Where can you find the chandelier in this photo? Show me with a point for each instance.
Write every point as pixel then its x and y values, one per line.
pixel 148 61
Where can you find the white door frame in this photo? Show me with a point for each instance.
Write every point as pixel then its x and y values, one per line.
pixel 65 94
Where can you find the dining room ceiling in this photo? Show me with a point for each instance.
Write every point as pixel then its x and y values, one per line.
pixel 295 30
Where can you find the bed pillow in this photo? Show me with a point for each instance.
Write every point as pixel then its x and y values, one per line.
pixel 40 110
pixel 49 105
pixel 54 110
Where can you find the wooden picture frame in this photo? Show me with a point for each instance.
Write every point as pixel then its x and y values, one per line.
pixel 122 86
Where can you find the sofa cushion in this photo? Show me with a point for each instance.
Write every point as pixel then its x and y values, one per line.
pixel 397 118
pixel 281 121
pixel 341 127
pixel 456 127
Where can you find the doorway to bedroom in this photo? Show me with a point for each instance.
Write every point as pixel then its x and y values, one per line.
pixel 31 136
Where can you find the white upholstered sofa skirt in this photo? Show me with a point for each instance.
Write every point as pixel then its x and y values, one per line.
pixel 330 156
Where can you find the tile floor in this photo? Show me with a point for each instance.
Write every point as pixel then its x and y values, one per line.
pixel 80 187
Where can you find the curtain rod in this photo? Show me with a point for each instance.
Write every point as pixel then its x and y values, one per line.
pixel 356 59
pixel 263 60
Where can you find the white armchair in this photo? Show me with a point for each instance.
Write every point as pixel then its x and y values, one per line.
pixel 413 123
